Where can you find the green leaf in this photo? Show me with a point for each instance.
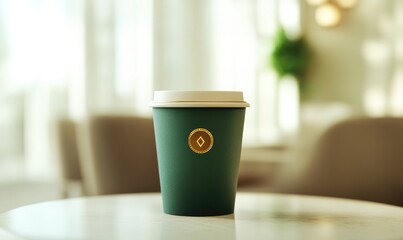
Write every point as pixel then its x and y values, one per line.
pixel 289 56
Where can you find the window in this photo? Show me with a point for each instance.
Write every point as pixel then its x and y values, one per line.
pixel 70 58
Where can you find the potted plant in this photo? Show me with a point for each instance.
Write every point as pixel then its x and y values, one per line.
pixel 291 57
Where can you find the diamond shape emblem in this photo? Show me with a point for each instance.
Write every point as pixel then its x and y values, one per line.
pixel 200 140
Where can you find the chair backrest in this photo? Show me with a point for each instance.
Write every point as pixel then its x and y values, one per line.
pixel 358 159
pixel 124 154
pixel 68 150
pixel 69 157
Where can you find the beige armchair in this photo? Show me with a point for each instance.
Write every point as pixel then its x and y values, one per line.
pixel 119 155
pixel 357 158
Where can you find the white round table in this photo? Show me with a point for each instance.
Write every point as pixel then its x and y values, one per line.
pixel 257 216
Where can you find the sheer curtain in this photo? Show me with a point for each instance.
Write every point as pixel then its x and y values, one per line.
pixel 71 58
pixel 40 53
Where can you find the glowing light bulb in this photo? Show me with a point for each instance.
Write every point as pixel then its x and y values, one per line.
pixel 328 15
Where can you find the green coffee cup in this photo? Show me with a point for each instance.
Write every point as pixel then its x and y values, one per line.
pixel 198 136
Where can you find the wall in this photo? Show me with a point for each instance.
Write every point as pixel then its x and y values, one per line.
pixel 346 63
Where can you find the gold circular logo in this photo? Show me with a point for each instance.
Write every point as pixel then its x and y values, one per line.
pixel 200 140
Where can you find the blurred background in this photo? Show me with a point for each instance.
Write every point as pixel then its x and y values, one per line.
pixel 302 64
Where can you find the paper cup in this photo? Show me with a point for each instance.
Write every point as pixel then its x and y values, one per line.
pixel 198 136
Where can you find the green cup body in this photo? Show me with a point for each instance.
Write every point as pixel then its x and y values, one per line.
pixel 192 183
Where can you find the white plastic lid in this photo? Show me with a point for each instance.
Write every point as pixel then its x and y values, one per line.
pixel 218 99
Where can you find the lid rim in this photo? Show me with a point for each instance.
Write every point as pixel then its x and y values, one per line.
pixel 196 99
pixel 200 104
